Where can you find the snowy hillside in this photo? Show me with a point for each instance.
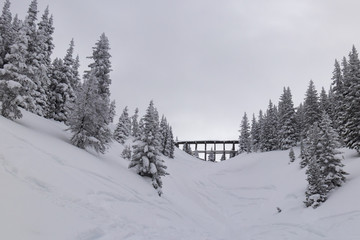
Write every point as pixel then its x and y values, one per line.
pixel 53 190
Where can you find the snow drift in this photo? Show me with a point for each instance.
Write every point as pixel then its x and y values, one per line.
pixel 52 190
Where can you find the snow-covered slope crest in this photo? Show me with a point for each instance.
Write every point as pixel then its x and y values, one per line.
pixel 53 190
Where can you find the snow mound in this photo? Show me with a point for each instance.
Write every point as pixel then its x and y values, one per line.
pixel 53 190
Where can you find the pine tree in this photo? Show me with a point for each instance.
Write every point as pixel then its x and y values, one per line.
pixel 126 153
pixel 6 32
pixel 269 134
pixel 36 60
pixel 315 191
pixel 292 155
pixel 60 92
pixel 352 102
pixel 146 154
pixel 164 136
pixel 123 128
pixel 135 124
pixel 324 104
pixel 87 121
pixel 101 66
pixel 255 134
pixel 324 169
pixel 311 107
pixel 287 121
pixel 187 148
pixel 300 122
pixel 14 83
pixel 171 143
pixel 244 139
pixel 331 166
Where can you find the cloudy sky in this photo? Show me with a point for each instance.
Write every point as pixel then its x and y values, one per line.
pixel 206 62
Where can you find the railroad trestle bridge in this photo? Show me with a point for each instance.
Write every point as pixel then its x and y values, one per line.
pixel 202 147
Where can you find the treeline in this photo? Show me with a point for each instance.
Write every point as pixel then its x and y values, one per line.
pixel 320 125
pixel 53 89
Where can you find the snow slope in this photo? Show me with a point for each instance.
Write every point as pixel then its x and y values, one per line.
pixel 52 190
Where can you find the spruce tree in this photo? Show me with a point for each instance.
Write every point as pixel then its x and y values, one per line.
pixel 324 171
pixel 15 85
pixel 171 143
pixel 292 155
pixel 135 131
pixel 123 128
pixel 146 151
pixel 269 134
pixel 244 139
pixel 6 32
pixel 287 121
pixel 87 120
pixel 352 102
pixel 255 134
pixel 311 107
pixel 187 148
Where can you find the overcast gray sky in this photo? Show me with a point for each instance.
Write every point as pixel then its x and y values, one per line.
pixel 206 62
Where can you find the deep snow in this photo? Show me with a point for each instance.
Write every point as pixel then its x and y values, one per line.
pixel 53 190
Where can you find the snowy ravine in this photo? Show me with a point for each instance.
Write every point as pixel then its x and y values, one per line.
pixel 53 190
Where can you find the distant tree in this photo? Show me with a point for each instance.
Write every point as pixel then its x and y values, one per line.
pixel 123 128
pixel 244 139
pixel 324 105
pixel 187 148
pixel 255 134
pixel 135 124
pixel 212 157
pixel 292 155
pixel 146 151
pixel 171 143
pixel 126 153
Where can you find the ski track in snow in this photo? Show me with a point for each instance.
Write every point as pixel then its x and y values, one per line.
pixel 99 198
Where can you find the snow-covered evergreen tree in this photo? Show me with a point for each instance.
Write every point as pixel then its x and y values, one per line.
pixel 254 134
pixel 126 153
pixel 37 60
pixel 324 104
pixel 135 124
pixel 171 143
pixel 311 106
pixel 331 166
pixel 6 32
pixel 292 155
pixel 123 128
pixel 269 133
pixel 324 169
pixel 15 85
pixel 88 119
pixel 287 121
pixel 244 139
pixel 146 155
pixel 352 102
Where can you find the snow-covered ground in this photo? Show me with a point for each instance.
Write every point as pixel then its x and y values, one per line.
pixel 50 189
